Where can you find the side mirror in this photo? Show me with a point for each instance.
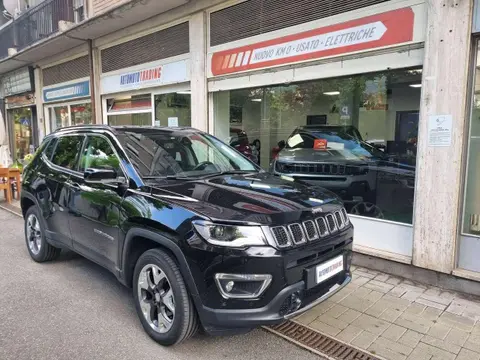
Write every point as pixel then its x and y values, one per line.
pixel 100 175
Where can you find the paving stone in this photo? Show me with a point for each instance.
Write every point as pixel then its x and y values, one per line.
pixel 457 337
pixel 378 286
pixel 342 294
pixel 415 309
pixel 410 338
pixel 390 315
pixel 433 291
pixel 418 319
pixel 454 349
pixel 431 314
pixel 384 352
pixel 361 292
pixel 471 346
pixel 411 325
pixel 435 352
pixel 411 295
pixel 431 303
pixel 349 333
pixel 371 324
pixel 325 328
pixel 374 296
pixel 439 331
pixel 459 322
pixel 412 286
pixel 396 303
pixel 394 332
pixel 466 354
pixel 349 316
pixel 456 308
pixel 368 271
pixel 306 318
pixel 364 274
pixel 327 319
pixel 394 346
pixel 356 303
pixel 476 329
pixel 471 315
pixel 364 340
pixel 424 349
pixel 359 280
pixel 322 308
pixel 336 310
pixel 353 268
pixel 436 298
pixel 382 277
pixel 394 280
pixel 397 291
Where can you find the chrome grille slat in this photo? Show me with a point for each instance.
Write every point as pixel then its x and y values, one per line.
pixel 297 234
pixel 310 230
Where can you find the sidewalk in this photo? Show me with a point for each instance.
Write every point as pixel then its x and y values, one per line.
pixel 397 319
pixel 14 207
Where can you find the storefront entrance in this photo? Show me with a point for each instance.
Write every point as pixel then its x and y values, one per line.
pixel 21 127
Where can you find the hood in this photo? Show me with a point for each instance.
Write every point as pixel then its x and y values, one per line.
pixel 259 197
pixel 319 156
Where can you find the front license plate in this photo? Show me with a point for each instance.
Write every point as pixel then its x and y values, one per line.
pixel 328 269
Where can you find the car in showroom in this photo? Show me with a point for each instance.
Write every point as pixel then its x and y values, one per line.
pixel 337 158
pixel 202 236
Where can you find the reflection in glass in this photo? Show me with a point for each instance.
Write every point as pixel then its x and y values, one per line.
pixel 356 136
pixel 58 117
pixel 22 132
pixel 471 218
pixel 130 110
pixel 81 114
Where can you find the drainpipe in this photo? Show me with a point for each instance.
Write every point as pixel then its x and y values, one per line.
pixel 92 80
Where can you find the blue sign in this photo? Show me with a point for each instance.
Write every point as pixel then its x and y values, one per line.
pixel 67 92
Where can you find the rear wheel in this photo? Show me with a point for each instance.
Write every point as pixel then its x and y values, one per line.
pixel 162 300
pixel 38 247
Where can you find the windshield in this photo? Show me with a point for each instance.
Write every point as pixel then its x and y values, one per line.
pixel 181 154
pixel 333 139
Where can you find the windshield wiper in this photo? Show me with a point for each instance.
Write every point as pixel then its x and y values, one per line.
pixel 230 172
pixel 167 177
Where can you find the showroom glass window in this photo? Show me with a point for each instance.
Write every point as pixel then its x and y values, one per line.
pixel 356 136
pixel 130 110
pixel 173 109
pixel 471 218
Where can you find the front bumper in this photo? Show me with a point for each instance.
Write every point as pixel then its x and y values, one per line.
pixel 275 312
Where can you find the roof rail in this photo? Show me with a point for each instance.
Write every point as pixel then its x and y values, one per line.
pixel 84 127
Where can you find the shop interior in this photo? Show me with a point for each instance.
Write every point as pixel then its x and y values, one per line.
pixel 69 114
pixel 22 121
pixel 378 112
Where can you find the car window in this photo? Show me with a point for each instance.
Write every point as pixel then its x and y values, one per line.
pixel 99 154
pixel 49 149
pixel 67 150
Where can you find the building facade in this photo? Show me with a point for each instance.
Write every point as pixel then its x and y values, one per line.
pixel 399 75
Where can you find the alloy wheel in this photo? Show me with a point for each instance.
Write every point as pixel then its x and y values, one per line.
pixel 34 234
pixel 156 298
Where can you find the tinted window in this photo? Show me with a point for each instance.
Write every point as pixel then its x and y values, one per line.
pixel 99 154
pixel 49 149
pixel 67 150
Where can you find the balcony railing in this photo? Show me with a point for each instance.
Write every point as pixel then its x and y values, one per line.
pixel 36 24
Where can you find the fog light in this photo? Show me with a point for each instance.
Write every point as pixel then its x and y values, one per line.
pixel 242 286
pixel 229 286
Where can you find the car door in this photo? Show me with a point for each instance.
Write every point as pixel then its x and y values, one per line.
pixel 59 168
pixel 95 207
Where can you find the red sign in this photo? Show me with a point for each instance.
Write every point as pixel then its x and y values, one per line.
pixel 390 28
pixel 320 144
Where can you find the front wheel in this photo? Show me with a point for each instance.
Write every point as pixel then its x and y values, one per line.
pixel 38 247
pixel 162 300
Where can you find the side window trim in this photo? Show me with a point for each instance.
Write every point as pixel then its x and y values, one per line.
pixel 124 172
pixel 61 168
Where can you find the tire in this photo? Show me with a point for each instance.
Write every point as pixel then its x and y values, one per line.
pixel 38 247
pixel 158 286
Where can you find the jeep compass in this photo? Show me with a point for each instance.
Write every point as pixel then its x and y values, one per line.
pixel 201 234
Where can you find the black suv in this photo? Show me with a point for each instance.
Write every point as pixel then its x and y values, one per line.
pixel 200 233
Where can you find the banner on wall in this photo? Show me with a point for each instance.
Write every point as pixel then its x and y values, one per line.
pixel 380 30
pixel 67 91
pixel 149 75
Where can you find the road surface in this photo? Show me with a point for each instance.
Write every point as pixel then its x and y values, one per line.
pixel 73 309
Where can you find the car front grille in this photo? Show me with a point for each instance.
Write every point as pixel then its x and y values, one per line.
pixel 319 168
pixel 310 230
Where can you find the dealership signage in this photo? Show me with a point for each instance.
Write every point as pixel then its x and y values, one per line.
pixel 67 91
pixel 18 82
pixel 149 75
pixel 385 29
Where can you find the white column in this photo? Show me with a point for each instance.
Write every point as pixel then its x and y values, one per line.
pixel 444 92
pixel 198 78
pixel 41 127
pixel 97 70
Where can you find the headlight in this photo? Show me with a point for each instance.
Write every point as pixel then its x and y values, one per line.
pixel 230 235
